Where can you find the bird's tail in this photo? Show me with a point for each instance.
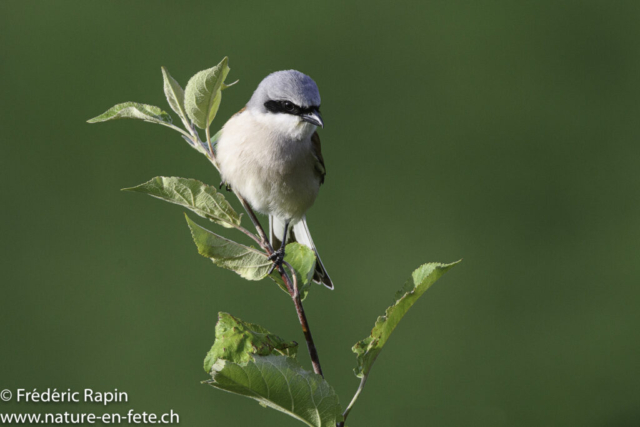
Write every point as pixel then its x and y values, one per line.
pixel 299 233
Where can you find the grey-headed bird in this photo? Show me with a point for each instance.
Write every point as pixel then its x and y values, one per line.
pixel 269 153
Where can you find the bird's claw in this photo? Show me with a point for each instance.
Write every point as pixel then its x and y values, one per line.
pixel 224 184
pixel 278 258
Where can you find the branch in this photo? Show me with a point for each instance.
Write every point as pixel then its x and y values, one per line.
pixel 248 233
pixel 302 317
pixel 254 219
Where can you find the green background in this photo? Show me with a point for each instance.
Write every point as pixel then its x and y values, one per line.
pixel 505 133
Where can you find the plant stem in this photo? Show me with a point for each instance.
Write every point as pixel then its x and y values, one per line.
pixel 355 397
pixel 208 133
pixel 248 233
pixel 313 352
pixel 254 219
pixel 302 317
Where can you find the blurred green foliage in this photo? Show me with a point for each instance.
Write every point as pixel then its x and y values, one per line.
pixel 505 133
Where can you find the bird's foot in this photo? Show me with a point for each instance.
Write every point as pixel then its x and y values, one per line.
pixel 224 184
pixel 278 258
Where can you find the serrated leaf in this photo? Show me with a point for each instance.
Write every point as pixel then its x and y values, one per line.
pixel 134 110
pixel 237 341
pixel 175 94
pixel 303 261
pixel 281 383
pixel 197 196
pixel 203 94
pixel 248 262
pixel 369 348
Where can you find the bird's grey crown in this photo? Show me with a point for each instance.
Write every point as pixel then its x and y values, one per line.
pixel 288 85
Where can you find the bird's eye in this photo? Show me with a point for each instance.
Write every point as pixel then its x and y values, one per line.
pixel 288 106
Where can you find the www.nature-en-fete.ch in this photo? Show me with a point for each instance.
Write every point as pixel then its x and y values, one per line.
pixel 49 396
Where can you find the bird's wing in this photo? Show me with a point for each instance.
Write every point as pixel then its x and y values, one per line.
pixel 243 108
pixel 317 152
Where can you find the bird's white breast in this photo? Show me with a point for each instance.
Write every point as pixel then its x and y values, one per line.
pixel 269 160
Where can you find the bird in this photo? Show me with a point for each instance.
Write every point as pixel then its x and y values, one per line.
pixel 270 154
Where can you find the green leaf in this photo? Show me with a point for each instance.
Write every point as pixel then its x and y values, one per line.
pixel 248 262
pixel 174 94
pixel 134 110
pixel 201 198
pixel 279 382
pixel 369 348
pixel 203 94
pixel 237 341
pixel 303 261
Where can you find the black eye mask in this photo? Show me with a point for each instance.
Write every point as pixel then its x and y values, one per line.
pixel 288 107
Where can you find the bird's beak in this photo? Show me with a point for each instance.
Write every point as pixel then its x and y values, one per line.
pixel 314 118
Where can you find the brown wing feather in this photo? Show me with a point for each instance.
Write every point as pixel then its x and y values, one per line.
pixel 317 152
pixel 243 108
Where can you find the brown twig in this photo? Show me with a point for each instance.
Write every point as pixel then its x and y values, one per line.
pixel 302 317
pixel 248 233
pixel 254 219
